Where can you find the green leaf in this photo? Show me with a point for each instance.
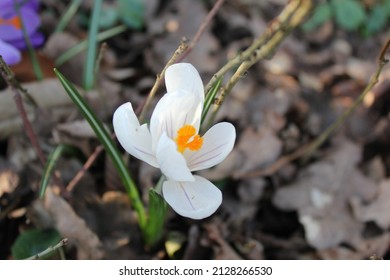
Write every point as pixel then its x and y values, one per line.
pixel 321 14
pixel 89 71
pixel 350 14
pixel 157 211
pixel 132 13
pixel 64 57
pixel 376 20
pixel 54 156
pixel 109 146
pixel 34 241
pixel 68 15
pixel 210 96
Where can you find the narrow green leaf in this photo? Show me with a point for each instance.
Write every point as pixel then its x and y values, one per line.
pixel 68 15
pixel 210 96
pixel 31 51
pixel 58 152
pixel 83 45
pixel 157 212
pixel 34 241
pixel 132 12
pixel 109 146
pixel 89 72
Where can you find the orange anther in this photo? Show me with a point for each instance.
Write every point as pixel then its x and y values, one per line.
pixel 14 21
pixel 188 139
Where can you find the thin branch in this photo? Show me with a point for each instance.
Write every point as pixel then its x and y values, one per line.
pixel 276 25
pixel 308 149
pixel 11 81
pixel 382 61
pixel 291 17
pixel 274 167
pixel 9 78
pixel 182 47
pixel 85 168
pixel 49 250
pixel 202 28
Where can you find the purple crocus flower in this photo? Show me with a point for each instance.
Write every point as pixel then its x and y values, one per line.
pixel 11 33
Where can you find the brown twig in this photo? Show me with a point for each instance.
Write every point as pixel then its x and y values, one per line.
pixel 11 81
pixel 9 78
pixel 278 24
pixel 183 51
pixel 274 167
pixel 49 250
pixel 382 61
pixel 85 168
pixel 308 149
pixel 182 47
pixel 202 28
pixel 292 16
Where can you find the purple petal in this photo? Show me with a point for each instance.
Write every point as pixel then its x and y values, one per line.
pixel 36 39
pixel 32 4
pixel 31 21
pixel 10 54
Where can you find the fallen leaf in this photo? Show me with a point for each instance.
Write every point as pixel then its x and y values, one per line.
pixel 378 210
pixel 322 195
pixel 70 225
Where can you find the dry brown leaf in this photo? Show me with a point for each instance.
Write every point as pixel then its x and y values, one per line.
pixel 378 210
pixel 71 226
pixel 257 148
pixel 9 179
pixel 222 249
pixel 56 45
pixel 79 128
pixel 47 93
pixel 184 22
pixel 322 196
pixel 374 246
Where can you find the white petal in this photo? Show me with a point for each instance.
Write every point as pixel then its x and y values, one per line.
pixel 172 163
pixel 135 139
pixel 196 200
pixel 172 112
pixel 218 142
pixel 183 76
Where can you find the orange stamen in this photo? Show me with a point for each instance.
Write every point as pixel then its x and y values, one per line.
pixel 14 21
pixel 188 139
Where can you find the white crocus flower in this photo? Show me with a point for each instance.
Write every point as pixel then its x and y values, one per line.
pixel 173 144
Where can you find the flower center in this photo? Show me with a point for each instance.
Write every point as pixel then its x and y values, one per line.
pixel 188 139
pixel 14 21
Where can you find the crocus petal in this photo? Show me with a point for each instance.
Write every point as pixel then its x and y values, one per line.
pixel 172 112
pixel 36 40
pixel 135 139
pixel 10 54
pixel 31 22
pixel 217 144
pixel 171 162
pixel 184 76
pixel 33 4
pixel 196 200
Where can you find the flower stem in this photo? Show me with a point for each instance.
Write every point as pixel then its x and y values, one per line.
pixel 31 51
pixel 89 73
